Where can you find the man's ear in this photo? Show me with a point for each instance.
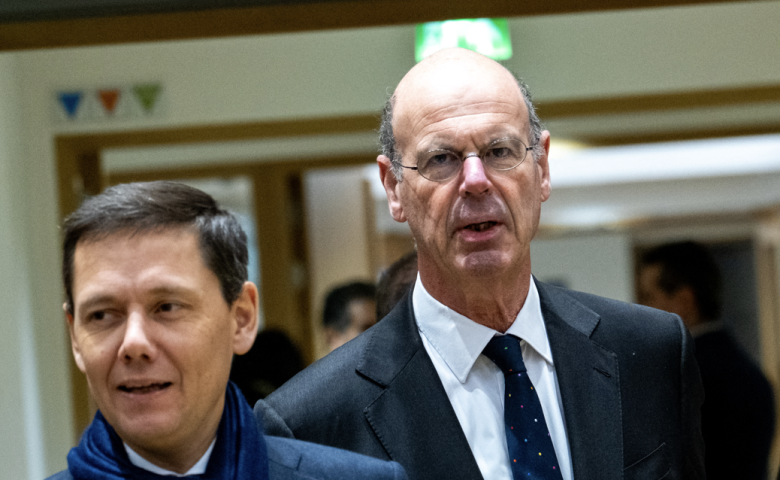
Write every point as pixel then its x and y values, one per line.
pixel 74 344
pixel 392 188
pixel 244 311
pixel 544 166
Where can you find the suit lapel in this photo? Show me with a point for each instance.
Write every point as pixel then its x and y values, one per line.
pixel 412 417
pixel 589 381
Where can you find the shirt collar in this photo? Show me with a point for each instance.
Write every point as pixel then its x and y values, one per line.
pixel 459 341
pixel 197 469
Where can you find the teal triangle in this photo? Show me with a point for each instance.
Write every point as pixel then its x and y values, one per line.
pixel 70 101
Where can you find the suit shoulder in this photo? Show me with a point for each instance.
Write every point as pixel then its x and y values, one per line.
pixel 289 458
pixel 619 326
pixel 610 309
pixel 355 373
pixel 329 388
pixel 341 363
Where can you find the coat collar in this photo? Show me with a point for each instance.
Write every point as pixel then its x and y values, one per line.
pixel 589 380
pixel 412 417
pixel 415 422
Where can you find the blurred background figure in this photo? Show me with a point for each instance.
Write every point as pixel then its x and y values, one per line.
pixel 394 282
pixel 738 412
pixel 273 360
pixel 350 310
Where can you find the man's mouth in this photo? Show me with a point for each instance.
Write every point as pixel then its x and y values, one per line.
pixel 148 388
pixel 480 227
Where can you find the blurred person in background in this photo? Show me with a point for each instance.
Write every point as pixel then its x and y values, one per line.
pixel 349 310
pixel 738 415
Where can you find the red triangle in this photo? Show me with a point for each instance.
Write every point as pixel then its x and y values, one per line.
pixel 109 99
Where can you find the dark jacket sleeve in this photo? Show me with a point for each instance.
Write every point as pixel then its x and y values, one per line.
pixel 692 399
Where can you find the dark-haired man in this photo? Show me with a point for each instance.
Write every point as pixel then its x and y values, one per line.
pixel 737 417
pixel 484 372
pixel 349 310
pixel 157 304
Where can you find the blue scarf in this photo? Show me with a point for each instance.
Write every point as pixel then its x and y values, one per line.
pixel 239 453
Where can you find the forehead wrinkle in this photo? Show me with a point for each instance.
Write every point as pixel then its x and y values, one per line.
pixel 454 135
pixel 440 109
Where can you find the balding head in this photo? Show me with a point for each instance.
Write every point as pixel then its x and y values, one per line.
pixel 455 68
pixel 457 170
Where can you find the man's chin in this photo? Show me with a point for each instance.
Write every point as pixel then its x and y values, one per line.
pixel 485 263
pixel 147 434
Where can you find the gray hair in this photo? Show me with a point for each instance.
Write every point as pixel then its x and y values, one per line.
pixel 387 144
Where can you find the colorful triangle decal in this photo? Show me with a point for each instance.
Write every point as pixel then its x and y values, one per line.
pixel 147 95
pixel 70 102
pixel 109 98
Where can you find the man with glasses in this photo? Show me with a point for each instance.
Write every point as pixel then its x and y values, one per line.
pixel 482 371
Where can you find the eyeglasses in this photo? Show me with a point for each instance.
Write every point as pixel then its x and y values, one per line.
pixel 501 155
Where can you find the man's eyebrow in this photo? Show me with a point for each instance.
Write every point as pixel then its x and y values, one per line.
pixel 95 300
pixel 107 298
pixel 173 290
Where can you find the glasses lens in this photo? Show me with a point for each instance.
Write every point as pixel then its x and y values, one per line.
pixel 438 165
pixel 504 154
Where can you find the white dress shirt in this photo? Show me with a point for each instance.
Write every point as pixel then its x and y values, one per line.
pixel 197 469
pixel 475 385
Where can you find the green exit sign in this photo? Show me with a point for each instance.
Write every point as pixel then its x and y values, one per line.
pixel 488 36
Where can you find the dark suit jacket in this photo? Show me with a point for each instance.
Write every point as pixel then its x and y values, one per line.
pixel 737 418
pixel 296 460
pixel 629 384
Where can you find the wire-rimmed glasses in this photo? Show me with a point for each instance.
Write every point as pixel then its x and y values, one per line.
pixel 501 155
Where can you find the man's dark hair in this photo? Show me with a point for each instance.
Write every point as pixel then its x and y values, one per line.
pixel 335 314
pixel 688 264
pixel 394 282
pixel 136 208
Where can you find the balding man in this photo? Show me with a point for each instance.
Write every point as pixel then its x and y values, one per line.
pixel 482 371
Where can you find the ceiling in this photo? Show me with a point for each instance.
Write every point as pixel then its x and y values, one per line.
pixel 59 23
pixel 27 11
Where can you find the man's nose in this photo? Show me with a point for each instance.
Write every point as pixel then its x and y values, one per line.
pixel 136 343
pixel 475 180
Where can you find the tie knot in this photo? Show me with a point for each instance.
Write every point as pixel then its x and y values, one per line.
pixel 505 352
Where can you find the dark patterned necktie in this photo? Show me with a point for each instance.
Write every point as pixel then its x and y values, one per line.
pixel 531 452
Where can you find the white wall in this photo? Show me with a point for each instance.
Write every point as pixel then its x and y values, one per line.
pixel 21 444
pixel 598 263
